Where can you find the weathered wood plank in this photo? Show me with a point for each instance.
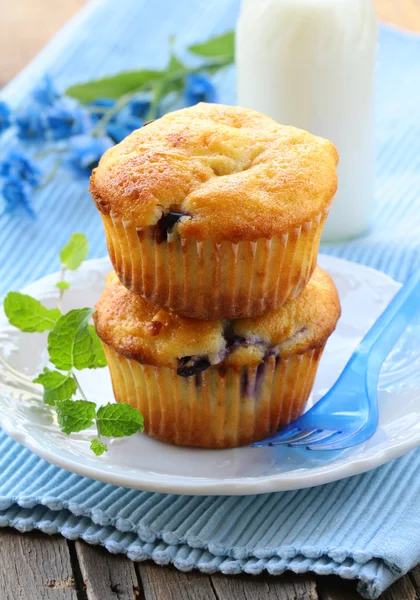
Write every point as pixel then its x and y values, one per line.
pixel 415 580
pixel 34 565
pixel 333 588
pixel 107 576
pixel 248 587
pixel 166 583
pixel 402 589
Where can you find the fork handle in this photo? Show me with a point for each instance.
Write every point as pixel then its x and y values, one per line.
pixel 391 324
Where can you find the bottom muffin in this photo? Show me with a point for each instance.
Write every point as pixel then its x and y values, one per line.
pixel 215 384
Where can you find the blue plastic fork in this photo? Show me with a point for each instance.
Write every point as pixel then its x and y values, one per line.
pixel 348 414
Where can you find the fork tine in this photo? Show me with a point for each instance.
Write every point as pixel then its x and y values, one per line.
pixel 342 441
pixel 303 435
pixel 281 435
pixel 318 437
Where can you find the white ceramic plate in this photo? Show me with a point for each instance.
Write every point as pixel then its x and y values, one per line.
pixel 142 463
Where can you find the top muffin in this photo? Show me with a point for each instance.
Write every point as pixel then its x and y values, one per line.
pixel 233 173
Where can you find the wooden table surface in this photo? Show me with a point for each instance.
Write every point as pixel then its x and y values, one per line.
pixel 34 566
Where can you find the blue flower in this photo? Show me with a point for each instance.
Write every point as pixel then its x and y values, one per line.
pixel 45 92
pixel 5 120
pixel 19 167
pixel 85 151
pixel 139 107
pixel 119 128
pixel 17 195
pixel 100 103
pixel 30 124
pixel 199 89
pixel 66 118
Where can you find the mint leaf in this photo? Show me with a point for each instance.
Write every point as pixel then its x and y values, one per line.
pixel 75 252
pixel 222 45
pixel 62 285
pixel 98 447
pixel 70 343
pixel 118 420
pixel 57 386
pixel 115 86
pixel 75 415
pixel 100 360
pixel 28 314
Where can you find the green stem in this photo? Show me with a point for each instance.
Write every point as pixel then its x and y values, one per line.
pixel 61 292
pixel 158 90
pixel 119 105
pixel 79 387
pixel 158 94
pixel 50 175
pixel 49 151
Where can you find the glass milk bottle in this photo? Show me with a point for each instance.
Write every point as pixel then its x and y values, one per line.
pixel 310 63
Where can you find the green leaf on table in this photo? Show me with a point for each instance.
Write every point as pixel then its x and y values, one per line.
pixel 28 314
pixel 98 447
pixel 115 86
pixel 222 45
pixel 57 386
pixel 70 343
pixel 100 360
pixel 74 252
pixel 75 415
pixel 119 420
pixel 62 285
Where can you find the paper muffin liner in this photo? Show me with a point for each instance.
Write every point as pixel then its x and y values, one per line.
pixel 223 407
pixel 210 280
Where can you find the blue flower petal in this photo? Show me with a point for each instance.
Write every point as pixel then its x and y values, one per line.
pixel 5 116
pixel 17 165
pixel 85 151
pixel 199 89
pixel 45 92
pixel 17 196
pixel 106 103
pixel 31 125
pixel 119 129
pixel 65 119
pixel 139 107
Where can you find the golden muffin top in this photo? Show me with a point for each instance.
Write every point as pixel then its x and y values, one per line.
pixel 235 173
pixel 140 331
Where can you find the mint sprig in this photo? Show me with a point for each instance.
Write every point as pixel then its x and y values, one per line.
pixel 216 53
pixel 73 345
pixel 98 447
pixel 119 420
pixel 28 314
pixel 75 415
pixel 57 386
pixel 70 343
pixel 75 252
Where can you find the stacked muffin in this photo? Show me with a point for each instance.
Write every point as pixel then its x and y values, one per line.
pixel 217 316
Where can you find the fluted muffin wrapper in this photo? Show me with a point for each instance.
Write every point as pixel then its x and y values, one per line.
pixel 222 407
pixel 213 280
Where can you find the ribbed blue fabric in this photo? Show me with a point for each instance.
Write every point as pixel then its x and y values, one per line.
pixel 365 527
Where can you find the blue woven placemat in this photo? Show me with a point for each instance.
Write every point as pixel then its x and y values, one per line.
pixel 365 527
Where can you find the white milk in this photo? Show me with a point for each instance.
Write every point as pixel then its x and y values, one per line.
pixel 310 63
